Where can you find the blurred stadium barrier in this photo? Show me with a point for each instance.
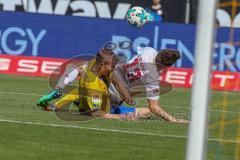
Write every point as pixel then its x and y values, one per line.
pixel 47 36
pixel 176 11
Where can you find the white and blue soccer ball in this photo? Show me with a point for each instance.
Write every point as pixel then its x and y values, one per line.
pixel 137 16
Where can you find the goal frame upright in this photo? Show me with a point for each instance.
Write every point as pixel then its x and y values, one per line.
pixel 205 37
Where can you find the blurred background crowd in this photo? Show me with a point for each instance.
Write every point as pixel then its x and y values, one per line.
pixel 177 11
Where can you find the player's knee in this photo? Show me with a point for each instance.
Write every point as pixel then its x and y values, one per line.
pixel 143 112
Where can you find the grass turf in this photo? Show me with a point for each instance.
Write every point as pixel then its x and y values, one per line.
pixel 149 139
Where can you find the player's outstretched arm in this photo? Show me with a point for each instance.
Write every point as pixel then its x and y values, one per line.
pixel 129 116
pixel 156 109
pixel 124 93
pixel 99 113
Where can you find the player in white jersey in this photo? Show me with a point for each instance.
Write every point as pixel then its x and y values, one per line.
pixel 142 74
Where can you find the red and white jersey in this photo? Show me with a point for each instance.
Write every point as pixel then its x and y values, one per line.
pixel 140 74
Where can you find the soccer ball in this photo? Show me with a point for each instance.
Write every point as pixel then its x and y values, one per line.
pixel 137 16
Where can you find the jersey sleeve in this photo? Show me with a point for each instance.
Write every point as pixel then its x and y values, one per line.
pixel 148 55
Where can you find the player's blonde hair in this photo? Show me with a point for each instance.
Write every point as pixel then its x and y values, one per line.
pixel 107 56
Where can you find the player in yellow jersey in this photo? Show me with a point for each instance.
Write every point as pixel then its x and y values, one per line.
pixel 92 93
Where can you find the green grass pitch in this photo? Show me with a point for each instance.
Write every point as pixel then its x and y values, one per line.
pixel 27 132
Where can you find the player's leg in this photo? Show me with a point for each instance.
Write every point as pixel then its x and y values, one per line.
pixel 68 77
pixel 65 100
pixel 54 94
pixel 143 112
pixel 69 98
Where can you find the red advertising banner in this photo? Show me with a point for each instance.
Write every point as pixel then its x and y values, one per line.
pixel 179 77
pixel 220 80
pixel 28 66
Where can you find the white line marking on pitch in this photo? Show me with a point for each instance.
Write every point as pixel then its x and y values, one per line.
pixel 33 94
pixel 110 130
pixel 17 93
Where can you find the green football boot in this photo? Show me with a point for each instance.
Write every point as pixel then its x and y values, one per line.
pixel 44 100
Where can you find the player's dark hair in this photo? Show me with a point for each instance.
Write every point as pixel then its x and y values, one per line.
pixel 167 57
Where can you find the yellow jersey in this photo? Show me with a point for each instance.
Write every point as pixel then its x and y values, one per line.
pixel 93 91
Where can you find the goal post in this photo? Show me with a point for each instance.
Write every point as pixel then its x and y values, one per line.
pixel 198 129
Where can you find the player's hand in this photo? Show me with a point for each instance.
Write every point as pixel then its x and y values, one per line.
pixel 130 101
pixel 180 121
pixel 131 116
